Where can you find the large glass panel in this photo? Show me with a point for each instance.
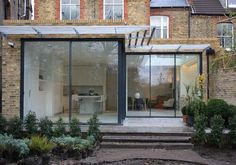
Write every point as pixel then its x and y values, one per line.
pixel 187 72
pixel 162 85
pixel 45 75
pixel 94 80
pixel 138 85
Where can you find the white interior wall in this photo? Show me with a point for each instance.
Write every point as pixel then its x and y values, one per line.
pixel 188 76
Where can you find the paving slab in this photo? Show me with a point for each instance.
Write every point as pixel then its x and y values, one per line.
pixel 115 155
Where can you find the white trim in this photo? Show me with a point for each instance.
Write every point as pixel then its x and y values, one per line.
pixel 33 11
pixel 123 9
pixel 222 36
pixel 153 24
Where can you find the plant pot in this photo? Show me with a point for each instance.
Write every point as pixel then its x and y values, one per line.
pixel 190 121
pixel 185 118
pixel 84 154
pixel 3 161
pixel 45 159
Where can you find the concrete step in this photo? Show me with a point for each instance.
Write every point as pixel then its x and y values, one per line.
pixel 160 145
pixel 147 134
pixel 147 139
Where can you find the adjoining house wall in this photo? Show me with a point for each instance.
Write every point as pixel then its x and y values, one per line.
pixel 178 20
pixel 223 85
pixel 204 26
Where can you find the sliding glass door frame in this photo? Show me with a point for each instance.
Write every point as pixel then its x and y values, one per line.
pixel 121 70
pixel 175 54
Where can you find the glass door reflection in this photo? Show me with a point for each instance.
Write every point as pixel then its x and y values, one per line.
pixel 138 83
pixel 162 101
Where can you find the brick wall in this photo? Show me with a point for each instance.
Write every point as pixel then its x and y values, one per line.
pixel 204 26
pixel 136 12
pixel 223 85
pixel 178 20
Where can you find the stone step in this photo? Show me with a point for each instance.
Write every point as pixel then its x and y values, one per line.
pixel 160 145
pixel 146 139
pixel 147 134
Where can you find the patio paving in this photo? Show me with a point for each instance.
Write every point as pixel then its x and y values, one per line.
pixel 117 155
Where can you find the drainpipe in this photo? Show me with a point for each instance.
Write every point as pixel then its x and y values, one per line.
pixel 189 23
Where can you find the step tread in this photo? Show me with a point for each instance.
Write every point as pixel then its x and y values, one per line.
pixel 145 145
pixel 130 137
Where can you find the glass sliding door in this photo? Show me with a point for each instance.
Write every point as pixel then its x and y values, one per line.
pixel 156 84
pixel 187 72
pixel 94 80
pixel 138 85
pixel 162 85
pixel 45 75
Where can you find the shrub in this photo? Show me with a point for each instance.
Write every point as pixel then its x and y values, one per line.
pixel 232 133
pixel 3 124
pixel 75 128
pixel 217 131
pixel 197 107
pixel 60 128
pixel 45 126
pixel 217 107
pixel 94 127
pixel 31 123
pixel 15 148
pixel 232 110
pixel 40 145
pixel 200 126
pixel 184 110
pixel 15 126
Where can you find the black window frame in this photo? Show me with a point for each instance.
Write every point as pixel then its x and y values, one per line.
pixel 121 71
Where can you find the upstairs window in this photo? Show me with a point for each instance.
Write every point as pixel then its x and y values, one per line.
pixel 225 34
pixel 161 23
pixel 113 9
pixel 232 3
pixel 70 9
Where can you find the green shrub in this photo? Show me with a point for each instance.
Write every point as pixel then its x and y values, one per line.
pixel 232 110
pixel 68 143
pixel 3 124
pixel 16 148
pixel 40 145
pixel 200 122
pixel 15 127
pixel 94 127
pixel 232 133
pixel 31 123
pixel 217 107
pixel 60 128
pixel 45 126
pixel 216 134
pixel 196 107
pixel 75 128
pixel 184 110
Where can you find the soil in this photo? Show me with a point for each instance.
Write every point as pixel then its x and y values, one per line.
pixel 225 156
pixel 149 162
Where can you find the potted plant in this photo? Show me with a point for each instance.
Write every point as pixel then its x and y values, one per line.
pixel 185 114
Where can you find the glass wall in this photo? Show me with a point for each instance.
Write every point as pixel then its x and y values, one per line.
pixel 45 75
pixel 156 84
pixel 71 79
